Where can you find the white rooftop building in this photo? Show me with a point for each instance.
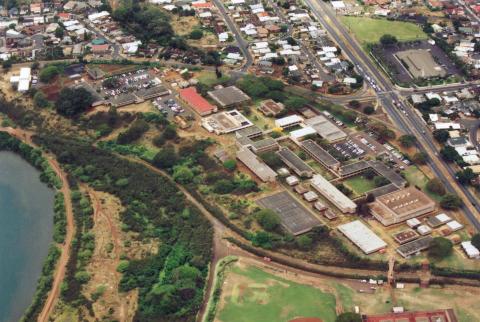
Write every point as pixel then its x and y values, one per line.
pixel 362 236
pixel 334 195
pixel 288 121
pixel 22 81
pixel 470 250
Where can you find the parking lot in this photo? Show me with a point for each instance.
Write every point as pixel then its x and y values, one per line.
pixel 349 149
pixel 374 148
pixel 171 107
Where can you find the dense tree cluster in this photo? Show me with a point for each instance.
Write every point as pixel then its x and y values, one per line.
pixel 134 132
pixel 440 248
pixel 171 281
pixel 73 101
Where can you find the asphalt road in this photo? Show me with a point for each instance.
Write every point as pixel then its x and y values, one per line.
pixel 242 44
pixel 409 123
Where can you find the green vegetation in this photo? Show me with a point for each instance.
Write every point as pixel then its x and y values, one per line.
pixel 171 281
pixel 217 288
pixel 59 219
pixel 476 240
pixel 73 101
pixel 44 284
pixel 82 249
pixel 440 248
pixel 49 73
pixel 441 135
pixel 349 317
pixel 436 186
pixel 407 140
pixel 149 23
pixel 40 101
pixel 360 184
pixel 370 30
pixel 451 202
pixel 134 132
pixel 264 297
pixel 268 219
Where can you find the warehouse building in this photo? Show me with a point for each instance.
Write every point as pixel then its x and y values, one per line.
pixel 326 129
pixel 225 122
pixel 320 155
pixel 295 163
pixel 401 205
pixel 362 236
pixel 289 121
pixel 470 250
pixel 229 96
pixel 259 168
pixel 332 194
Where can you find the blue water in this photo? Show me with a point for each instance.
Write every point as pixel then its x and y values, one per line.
pixel 26 222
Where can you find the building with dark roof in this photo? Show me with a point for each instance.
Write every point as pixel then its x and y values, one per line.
pixel 320 155
pixel 228 96
pixel 294 162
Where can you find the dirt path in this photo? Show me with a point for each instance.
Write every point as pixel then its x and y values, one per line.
pixel 59 274
pixel 116 241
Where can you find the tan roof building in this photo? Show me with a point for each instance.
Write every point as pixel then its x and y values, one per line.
pixel 401 205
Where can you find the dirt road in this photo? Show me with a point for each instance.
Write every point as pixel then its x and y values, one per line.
pixel 59 274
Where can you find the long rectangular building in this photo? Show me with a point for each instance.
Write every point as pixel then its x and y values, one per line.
pixel 362 236
pixel 294 162
pixel 259 168
pixel 332 194
pixel 320 155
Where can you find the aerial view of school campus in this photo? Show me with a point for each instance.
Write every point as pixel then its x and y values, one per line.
pixel 240 161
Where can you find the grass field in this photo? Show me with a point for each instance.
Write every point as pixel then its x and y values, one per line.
pixel 252 295
pixel 369 30
pixel 359 184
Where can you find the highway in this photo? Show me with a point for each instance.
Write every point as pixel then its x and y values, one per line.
pixel 409 122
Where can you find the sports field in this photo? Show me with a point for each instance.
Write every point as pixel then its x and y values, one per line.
pixel 369 30
pixel 252 295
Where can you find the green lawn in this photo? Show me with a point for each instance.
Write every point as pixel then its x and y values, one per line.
pixel 369 30
pixel 266 297
pixel 359 184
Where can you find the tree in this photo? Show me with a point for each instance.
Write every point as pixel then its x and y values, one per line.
pixel 436 186
pixel 450 202
pixel 271 159
pixel 7 64
pixel 349 317
pixel 354 104
pixel 295 103
pixel 268 219
pixel 262 239
pixel 476 240
pixel 304 242
pixel 39 100
pixel 369 110
pixel 230 165
pixel 407 140
pixel 420 158
pixel 165 158
pixel 388 40
pixel 380 181
pixel 440 248
pixel 224 186
pixel 59 32
pixel 170 132
pixel 134 132
pixel 49 73
pixel 72 101
pixel 196 34
pixel 465 176
pixel 449 154
pixel 182 174
pixel 441 135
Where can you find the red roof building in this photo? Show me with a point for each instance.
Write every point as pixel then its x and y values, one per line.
pixel 196 101
pixel 202 5
pixel 64 16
